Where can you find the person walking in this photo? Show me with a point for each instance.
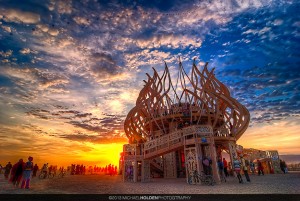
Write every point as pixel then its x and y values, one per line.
pixel 7 170
pixel 45 170
pixel 27 173
pixel 245 168
pixel 16 173
pixel 225 167
pixel 221 170
pixel 252 167
pixel 35 169
pixel 283 166
pixel 260 168
pixel 237 169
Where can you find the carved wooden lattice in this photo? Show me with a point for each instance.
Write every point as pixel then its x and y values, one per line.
pixel 146 174
pixel 191 163
pixel 129 149
pixel 200 97
pixel 170 165
pixel 232 150
pixel 176 138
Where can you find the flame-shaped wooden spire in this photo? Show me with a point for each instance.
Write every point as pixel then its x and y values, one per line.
pixel 204 98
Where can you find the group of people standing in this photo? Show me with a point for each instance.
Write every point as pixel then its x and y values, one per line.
pixel 77 169
pixel 111 170
pixel 242 164
pixel 239 165
pixel 222 166
pixel 108 170
pixel 19 171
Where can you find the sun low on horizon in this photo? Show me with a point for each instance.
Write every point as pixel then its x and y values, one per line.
pixel 70 71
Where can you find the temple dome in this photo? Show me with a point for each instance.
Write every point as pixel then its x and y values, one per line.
pixel 199 99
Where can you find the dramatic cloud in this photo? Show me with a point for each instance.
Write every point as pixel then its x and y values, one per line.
pixel 18 16
pixel 62 6
pixel 70 71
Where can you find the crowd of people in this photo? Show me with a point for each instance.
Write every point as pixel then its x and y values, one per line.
pixel 77 169
pixel 82 170
pixel 47 170
pixel 108 170
pixel 239 165
pixel 21 173
pixel 25 171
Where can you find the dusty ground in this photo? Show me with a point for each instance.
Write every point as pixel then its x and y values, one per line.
pixel 105 184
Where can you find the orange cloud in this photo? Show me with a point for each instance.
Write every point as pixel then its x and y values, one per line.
pixel 19 142
pixel 282 135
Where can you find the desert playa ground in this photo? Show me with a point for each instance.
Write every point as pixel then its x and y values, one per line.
pixel 105 184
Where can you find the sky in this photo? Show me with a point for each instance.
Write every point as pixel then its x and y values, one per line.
pixel 70 71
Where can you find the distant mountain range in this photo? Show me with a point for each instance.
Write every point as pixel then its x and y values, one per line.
pixel 290 158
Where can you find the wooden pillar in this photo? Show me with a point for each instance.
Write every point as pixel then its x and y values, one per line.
pixel 128 161
pixel 170 165
pixel 135 171
pixel 123 164
pixel 232 153
pixel 212 149
pixel 146 174
pixel 191 162
pixel 123 170
pixel 199 157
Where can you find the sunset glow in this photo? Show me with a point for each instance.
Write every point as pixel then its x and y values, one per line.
pixel 70 71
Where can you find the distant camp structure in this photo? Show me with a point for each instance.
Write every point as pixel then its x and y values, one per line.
pixel 177 123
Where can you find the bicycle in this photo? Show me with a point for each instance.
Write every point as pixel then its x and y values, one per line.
pixel 62 174
pixel 44 175
pixel 201 178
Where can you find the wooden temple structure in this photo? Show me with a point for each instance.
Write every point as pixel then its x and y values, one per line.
pixel 175 124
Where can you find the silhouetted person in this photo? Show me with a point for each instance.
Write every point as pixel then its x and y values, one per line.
pixel 105 170
pixel 283 166
pixel 225 167
pixel 221 168
pixel 45 170
pixel 83 170
pixel 109 169
pixel 16 172
pixel 35 169
pixel 77 169
pixel 27 173
pixel 245 168
pixel 252 167
pixel 260 168
pixel 7 170
pixel 50 169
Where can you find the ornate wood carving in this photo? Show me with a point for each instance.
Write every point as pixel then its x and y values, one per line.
pixel 199 99
pixel 198 110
